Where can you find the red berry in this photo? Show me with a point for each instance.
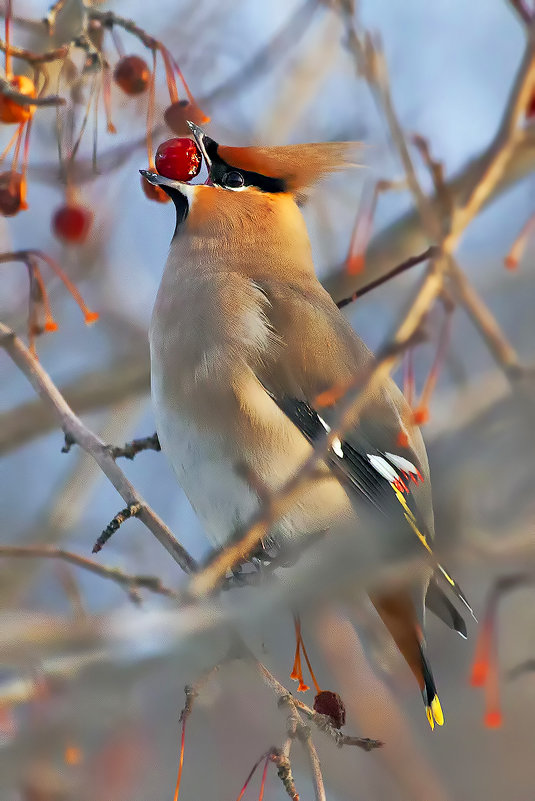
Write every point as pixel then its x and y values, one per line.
pixel 132 74
pixel 11 200
pixel 329 703
pixel 179 159
pixel 71 223
pixel 154 192
pixel 177 114
pixel 530 111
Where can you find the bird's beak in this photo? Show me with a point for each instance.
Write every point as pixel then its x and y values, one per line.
pixel 202 141
pixel 160 180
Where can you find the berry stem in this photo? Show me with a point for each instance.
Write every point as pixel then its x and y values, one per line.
pixel 264 775
pixel 169 74
pixel 443 342
pixel 117 41
pixel 25 160
pixel 84 122
pixel 181 759
pixel 7 37
pixel 89 315
pixel 251 774
pixel 106 94
pixel 9 146
pixel 408 377
pixel 150 112
pixel 190 97
pixel 316 685
pixel 17 148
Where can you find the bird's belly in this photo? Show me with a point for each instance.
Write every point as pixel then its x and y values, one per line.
pixel 224 500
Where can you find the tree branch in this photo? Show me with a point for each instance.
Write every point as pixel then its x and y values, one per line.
pixel 125 580
pixel 95 390
pixel 73 426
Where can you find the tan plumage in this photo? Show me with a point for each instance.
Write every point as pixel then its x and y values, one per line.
pixel 240 322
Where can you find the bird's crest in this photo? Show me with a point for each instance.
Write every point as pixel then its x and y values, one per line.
pixel 298 166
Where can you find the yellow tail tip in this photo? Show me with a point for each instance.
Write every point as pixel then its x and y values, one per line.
pixel 436 709
pixel 430 719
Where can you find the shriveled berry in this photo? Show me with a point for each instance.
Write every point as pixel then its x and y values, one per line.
pixel 328 703
pixel 10 110
pixel 11 200
pixel 71 223
pixel 132 75
pixel 177 114
pixel 153 192
pixel 179 159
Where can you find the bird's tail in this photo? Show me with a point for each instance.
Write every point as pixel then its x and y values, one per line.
pixel 398 613
pixel 433 708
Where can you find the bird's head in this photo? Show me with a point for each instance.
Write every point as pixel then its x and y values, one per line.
pixel 249 176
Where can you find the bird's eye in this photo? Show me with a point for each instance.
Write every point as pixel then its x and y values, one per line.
pixel 233 179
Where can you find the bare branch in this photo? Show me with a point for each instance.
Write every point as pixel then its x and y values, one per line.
pixel 72 425
pixel 131 449
pixel 430 253
pixel 36 58
pixel 484 320
pixel 97 389
pixel 503 145
pixel 128 582
pixel 115 523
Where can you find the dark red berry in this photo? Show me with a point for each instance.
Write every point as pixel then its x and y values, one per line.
pixel 179 159
pixel 177 114
pixel 154 192
pixel 329 703
pixel 71 223
pixel 530 111
pixel 11 193
pixel 132 74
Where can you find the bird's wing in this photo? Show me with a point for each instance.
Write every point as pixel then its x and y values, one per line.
pixel 381 460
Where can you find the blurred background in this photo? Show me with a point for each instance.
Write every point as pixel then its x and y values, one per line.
pixel 91 685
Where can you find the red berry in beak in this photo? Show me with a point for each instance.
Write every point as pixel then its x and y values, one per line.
pixel 72 223
pixel 178 159
pixel 132 75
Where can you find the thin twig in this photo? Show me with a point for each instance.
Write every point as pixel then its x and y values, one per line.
pixel 36 58
pixel 128 582
pixel 503 146
pixel 72 425
pixel 115 523
pixel 484 320
pixel 430 253
pixel 131 449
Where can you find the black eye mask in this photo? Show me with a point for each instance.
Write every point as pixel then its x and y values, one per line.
pixel 230 177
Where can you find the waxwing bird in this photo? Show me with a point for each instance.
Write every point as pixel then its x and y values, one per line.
pixel 245 341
